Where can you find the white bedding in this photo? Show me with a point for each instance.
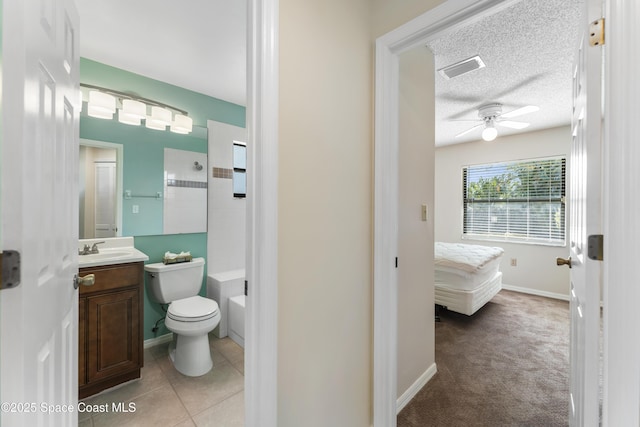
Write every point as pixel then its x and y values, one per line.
pixel 463 257
pixel 464 280
pixel 466 276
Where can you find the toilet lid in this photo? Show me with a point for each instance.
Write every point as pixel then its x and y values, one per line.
pixel 192 309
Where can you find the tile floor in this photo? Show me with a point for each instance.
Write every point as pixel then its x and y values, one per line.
pixel 165 398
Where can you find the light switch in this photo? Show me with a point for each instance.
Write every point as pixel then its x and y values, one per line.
pixel 136 209
pixel 425 213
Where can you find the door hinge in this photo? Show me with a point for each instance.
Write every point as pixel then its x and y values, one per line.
pixel 9 269
pixel 246 288
pixel 596 33
pixel 595 245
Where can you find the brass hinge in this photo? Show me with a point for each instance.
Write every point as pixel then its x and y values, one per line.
pixel 596 33
pixel 9 269
pixel 595 247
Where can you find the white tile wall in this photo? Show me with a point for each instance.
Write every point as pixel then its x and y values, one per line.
pixel 227 215
pixel 185 209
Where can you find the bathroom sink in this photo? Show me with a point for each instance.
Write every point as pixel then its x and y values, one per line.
pixel 113 251
pixel 105 255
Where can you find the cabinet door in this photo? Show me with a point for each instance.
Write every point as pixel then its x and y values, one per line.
pixel 113 334
pixel 82 350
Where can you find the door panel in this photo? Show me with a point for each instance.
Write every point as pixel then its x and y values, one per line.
pixel 39 318
pixel 585 205
pixel 105 196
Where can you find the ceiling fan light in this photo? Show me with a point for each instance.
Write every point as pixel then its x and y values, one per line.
pixel 489 133
pixel 133 108
pixel 182 124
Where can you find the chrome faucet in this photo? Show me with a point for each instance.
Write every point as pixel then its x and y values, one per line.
pixel 94 248
pixel 87 250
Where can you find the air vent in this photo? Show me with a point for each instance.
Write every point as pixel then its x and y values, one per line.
pixel 462 67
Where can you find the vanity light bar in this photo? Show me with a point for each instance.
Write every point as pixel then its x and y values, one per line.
pixel 102 105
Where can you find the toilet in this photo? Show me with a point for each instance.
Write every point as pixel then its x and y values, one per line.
pixel 190 317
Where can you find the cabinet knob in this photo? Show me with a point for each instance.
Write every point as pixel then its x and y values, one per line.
pixel 88 280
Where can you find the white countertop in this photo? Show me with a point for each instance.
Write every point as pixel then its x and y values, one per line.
pixel 114 250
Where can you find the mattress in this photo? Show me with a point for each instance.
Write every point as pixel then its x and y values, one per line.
pixel 464 280
pixel 467 301
pixel 465 266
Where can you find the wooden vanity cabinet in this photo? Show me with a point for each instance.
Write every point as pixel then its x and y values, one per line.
pixel 110 327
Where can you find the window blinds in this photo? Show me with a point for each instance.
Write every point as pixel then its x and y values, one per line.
pixel 521 201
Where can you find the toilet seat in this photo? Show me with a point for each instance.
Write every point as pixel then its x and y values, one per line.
pixel 192 309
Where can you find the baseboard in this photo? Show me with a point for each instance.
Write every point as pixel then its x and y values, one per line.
pixel 415 387
pixel 535 292
pixel 152 342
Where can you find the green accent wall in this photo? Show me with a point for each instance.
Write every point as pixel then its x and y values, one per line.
pixel 143 167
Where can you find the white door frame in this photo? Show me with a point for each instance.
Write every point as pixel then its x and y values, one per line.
pixel 621 404
pixel 446 17
pixel 621 223
pixel 261 349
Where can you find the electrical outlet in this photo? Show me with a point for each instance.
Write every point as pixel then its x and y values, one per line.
pixel 135 209
pixel 514 262
pixel 425 213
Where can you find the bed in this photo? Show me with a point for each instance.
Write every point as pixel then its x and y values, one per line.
pixel 466 276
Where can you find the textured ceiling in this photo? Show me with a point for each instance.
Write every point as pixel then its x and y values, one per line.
pixel 196 44
pixel 528 50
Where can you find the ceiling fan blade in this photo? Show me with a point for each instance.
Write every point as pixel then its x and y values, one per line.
pixel 511 124
pixel 459 98
pixel 469 130
pixel 524 83
pixel 520 111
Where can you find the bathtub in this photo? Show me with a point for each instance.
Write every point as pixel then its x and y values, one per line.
pixel 220 287
pixel 236 319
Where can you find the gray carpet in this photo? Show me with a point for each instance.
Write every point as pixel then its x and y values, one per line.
pixel 507 365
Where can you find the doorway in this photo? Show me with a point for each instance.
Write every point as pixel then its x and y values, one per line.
pixel 443 19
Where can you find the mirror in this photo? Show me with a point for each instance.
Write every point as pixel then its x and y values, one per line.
pixel 100 183
pixel 136 181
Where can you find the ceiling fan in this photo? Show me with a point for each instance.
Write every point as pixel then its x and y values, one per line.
pixel 491 116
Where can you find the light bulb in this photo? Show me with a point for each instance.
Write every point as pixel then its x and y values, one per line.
pixel 134 109
pixel 182 124
pixel 101 105
pixel 159 119
pixel 127 118
pixel 489 133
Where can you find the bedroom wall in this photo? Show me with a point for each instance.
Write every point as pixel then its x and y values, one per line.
pixel 415 237
pixel 536 271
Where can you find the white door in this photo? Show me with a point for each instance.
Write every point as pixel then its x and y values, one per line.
pixel 105 199
pixel 39 149
pixel 585 207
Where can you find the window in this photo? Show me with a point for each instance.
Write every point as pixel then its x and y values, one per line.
pixel 239 169
pixel 520 201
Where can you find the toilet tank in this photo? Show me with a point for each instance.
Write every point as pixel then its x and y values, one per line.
pixel 170 282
